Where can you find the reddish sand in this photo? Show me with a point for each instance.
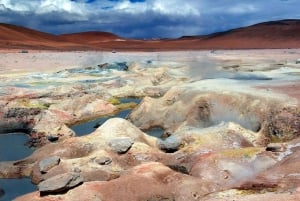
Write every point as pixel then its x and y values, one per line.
pixel 269 35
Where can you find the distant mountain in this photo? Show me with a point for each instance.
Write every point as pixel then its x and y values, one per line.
pixel 275 34
pixel 17 33
pixel 90 37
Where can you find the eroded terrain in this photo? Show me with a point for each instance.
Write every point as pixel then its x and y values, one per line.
pixel 228 124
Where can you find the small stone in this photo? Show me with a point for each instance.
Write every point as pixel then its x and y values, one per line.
pixel 60 183
pixel 225 174
pixel 179 168
pixel 143 157
pixel 48 163
pixel 53 138
pixel 104 160
pixel 77 170
pixel 121 145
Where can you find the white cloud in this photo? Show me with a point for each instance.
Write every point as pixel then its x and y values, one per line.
pixel 128 7
pixel 165 18
pixel 242 9
pixel 23 6
pixel 61 5
pixel 170 7
pixel 175 7
pixel 44 6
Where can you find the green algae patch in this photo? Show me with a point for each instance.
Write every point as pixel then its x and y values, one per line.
pixel 236 192
pixel 246 153
pixel 192 144
pixel 46 84
pixel 231 192
pixel 33 104
pixel 124 106
pixel 121 106
pixel 114 101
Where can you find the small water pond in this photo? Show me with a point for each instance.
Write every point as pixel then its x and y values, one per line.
pixel 156 132
pixel 12 147
pixel 12 188
pixel 90 126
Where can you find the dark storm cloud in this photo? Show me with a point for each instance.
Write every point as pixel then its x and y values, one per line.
pixel 144 19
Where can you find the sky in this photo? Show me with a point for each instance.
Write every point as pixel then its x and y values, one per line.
pixel 144 18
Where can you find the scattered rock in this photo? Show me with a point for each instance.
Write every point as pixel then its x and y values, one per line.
pixel 48 163
pixel 76 170
pixel 276 147
pixel 60 183
pixel 104 160
pixel 53 138
pixel 121 145
pixel 24 51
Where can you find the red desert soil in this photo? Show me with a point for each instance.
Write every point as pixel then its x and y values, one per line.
pixel 289 89
pixel 268 35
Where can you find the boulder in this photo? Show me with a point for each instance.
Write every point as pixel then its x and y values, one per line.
pixel 120 145
pixel 60 183
pixel 170 145
pixel 48 163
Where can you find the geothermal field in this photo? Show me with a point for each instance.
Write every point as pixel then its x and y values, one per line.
pixel 150 126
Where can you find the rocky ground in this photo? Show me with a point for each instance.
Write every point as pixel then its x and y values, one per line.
pixel 231 124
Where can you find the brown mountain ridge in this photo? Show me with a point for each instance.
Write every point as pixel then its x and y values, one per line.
pixel 267 35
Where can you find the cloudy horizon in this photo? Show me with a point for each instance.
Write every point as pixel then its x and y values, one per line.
pixel 144 18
